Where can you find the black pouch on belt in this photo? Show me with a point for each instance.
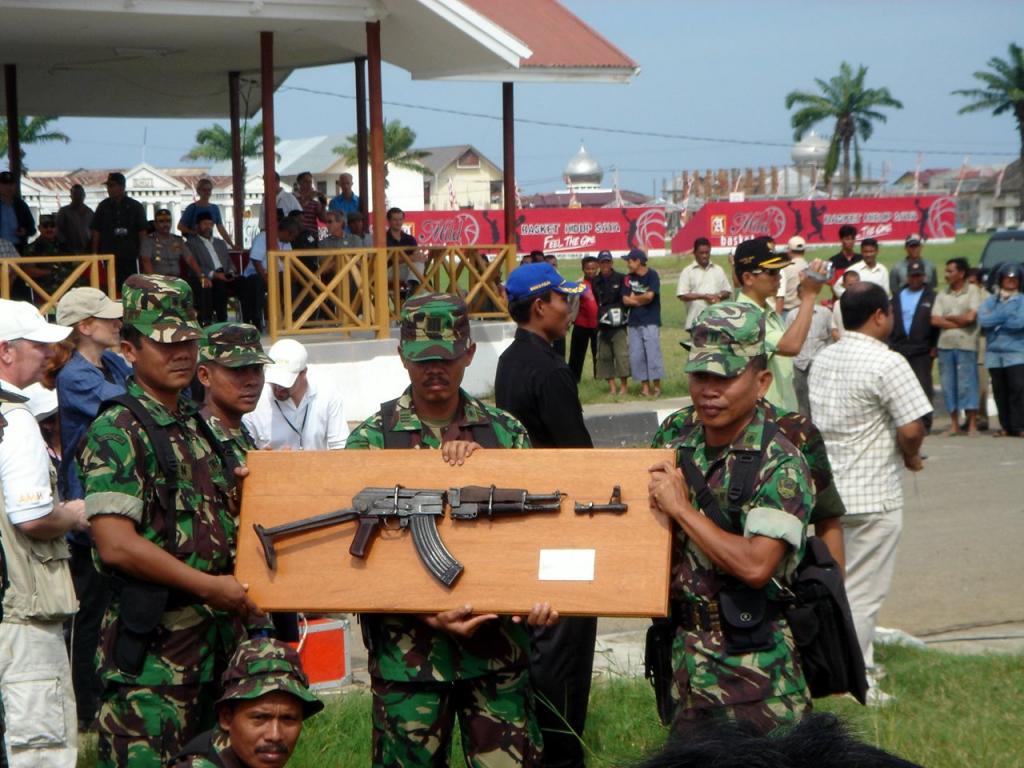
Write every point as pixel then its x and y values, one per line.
pixel 746 620
pixel 142 605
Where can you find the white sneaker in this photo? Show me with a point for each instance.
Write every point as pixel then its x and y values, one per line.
pixel 876 697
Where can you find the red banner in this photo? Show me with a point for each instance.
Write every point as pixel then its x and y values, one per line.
pixel 818 221
pixel 552 230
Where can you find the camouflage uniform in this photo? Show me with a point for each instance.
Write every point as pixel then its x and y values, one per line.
pixel 765 688
pixel 423 678
pixel 145 718
pixel 258 667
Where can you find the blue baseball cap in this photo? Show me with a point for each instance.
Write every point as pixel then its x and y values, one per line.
pixel 637 254
pixel 534 279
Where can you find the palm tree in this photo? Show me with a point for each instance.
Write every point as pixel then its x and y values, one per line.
pixel 398 151
pixel 214 143
pixel 853 107
pixel 31 130
pixel 1003 92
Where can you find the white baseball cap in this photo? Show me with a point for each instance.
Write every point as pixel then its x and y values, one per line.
pixel 42 402
pixel 82 303
pixel 20 320
pixel 290 360
pixel 796 245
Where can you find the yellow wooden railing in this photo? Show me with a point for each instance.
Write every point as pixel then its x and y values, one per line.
pixel 361 289
pixel 13 268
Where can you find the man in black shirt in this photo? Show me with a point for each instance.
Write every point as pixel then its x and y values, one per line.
pixel 119 227
pixel 612 315
pixel 535 385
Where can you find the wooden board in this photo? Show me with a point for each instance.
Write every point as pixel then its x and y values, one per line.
pixel 315 571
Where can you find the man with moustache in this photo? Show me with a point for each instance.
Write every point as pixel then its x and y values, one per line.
pixel 296 412
pixel 731 562
pixel 427 670
pixel 264 704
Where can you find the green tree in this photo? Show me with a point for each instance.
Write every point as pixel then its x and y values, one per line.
pixel 1003 92
pixel 214 143
pixel 398 149
pixel 31 130
pixel 854 108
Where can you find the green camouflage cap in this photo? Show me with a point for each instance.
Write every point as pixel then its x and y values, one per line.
pixel 160 308
pixel 434 327
pixel 233 345
pixel 262 665
pixel 726 337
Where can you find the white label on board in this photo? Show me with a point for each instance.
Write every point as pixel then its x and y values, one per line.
pixel 566 565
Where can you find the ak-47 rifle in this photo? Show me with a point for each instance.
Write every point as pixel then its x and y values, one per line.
pixel 418 510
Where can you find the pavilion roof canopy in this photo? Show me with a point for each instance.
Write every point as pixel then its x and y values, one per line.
pixel 170 58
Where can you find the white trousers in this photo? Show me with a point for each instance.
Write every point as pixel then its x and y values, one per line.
pixel 39 700
pixel 870 542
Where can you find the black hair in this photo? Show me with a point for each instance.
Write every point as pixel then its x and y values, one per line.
pixel 131 335
pixel 158 211
pixel 701 241
pixel 588 260
pixel 759 363
pixel 869 241
pixel 520 310
pixel 304 173
pixel 846 230
pixel 396 209
pixel 961 264
pixel 860 301
pixel 820 740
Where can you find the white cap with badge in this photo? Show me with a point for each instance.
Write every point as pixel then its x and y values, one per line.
pixel 20 320
pixel 290 359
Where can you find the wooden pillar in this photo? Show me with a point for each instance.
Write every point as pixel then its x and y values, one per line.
pixel 362 140
pixel 377 171
pixel 237 175
pixel 508 135
pixel 267 107
pixel 13 124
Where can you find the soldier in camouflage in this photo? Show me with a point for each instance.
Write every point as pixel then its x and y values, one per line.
pixel 426 670
pixel 763 686
pixel 177 612
pixel 231 362
pixel 265 700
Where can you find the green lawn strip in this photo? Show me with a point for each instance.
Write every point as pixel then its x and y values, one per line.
pixel 951 711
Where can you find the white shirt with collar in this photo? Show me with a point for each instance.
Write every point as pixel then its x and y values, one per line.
pixel 24 466
pixel 317 423
pixel 878 274
pixel 697 279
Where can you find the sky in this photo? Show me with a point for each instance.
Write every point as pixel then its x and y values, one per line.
pixel 716 70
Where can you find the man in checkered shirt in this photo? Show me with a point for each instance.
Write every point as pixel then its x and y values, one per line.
pixel 868 405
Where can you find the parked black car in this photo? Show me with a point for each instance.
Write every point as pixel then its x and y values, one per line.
pixel 1004 246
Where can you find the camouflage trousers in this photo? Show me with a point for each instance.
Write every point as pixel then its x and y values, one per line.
pixel 144 727
pixel 413 722
pixel 765 715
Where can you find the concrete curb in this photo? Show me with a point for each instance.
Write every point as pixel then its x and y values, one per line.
pixel 629 424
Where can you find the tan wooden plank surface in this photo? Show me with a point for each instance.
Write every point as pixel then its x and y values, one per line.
pixel 315 571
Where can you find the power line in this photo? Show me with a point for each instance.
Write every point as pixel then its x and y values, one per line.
pixel 630 131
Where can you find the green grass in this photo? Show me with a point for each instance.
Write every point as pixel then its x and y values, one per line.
pixel 951 711
pixel 673 312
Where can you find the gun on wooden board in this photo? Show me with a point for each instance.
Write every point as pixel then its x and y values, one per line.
pixel 418 509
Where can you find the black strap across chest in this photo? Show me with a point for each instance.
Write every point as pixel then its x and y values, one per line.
pixel 483 434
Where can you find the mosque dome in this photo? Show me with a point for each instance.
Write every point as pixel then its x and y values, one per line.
pixel 582 169
pixel 811 150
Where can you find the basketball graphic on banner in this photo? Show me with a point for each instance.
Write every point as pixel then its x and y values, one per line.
pixel 650 228
pixel 941 218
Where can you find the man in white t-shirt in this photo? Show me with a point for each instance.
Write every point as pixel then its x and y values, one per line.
pixel 35 675
pixel 787 300
pixel 293 412
pixel 868 267
pixel 701 283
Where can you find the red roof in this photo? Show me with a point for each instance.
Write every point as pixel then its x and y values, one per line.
pixel 557 37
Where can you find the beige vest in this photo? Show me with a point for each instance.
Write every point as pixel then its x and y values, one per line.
pixel 38 572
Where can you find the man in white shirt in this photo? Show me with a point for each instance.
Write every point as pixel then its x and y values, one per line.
pixel 286 203
pixel 35 675
pixel 701 283
pixel 868 268
pixel 293 413
pixel 787 300
pixel 868 405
